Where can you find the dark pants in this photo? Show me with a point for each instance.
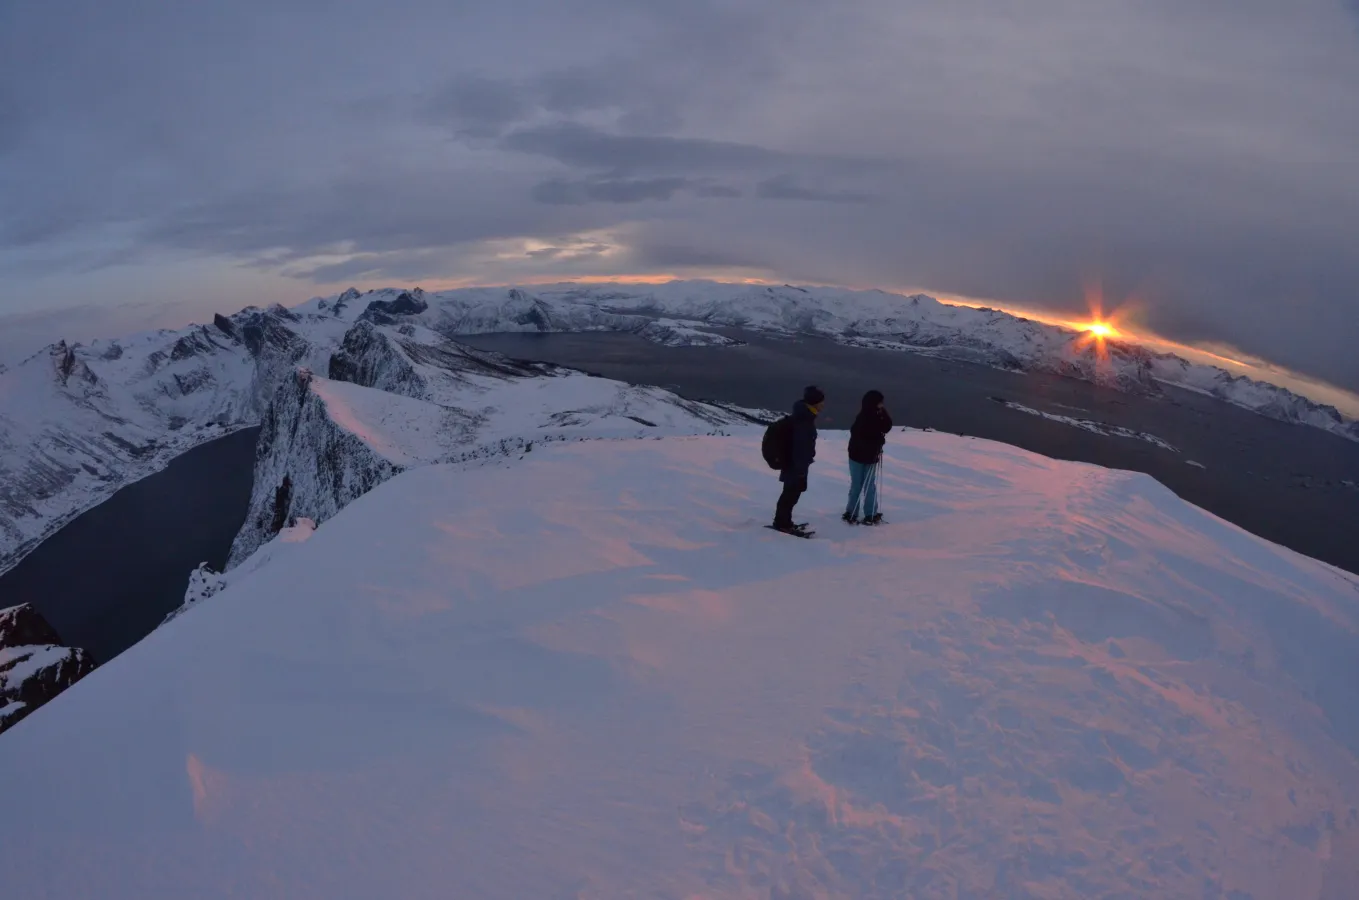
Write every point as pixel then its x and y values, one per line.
pixel 792 491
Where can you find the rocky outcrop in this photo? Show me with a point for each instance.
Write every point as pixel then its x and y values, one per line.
pixel 306 465
pixel 34 666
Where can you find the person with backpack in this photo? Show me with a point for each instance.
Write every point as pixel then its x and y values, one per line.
pixel 796 434
pixel 867 437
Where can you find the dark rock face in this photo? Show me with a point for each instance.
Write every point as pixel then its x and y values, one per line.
pixel 34 667
pixel 65 359
pixel 225 325
pixel 24 625
pixel 342 302
pixel 406 303
pixel 69 366
pixel 283 501
pixel 262 331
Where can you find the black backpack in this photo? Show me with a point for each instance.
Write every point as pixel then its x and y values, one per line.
pixel 777 444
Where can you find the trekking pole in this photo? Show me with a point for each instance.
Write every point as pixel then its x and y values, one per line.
pixel 877 485
pixel 861 503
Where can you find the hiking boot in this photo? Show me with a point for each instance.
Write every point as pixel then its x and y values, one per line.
pixel 849 520
pixel 875 519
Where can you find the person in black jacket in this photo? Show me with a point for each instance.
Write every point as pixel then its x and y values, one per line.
pixel 867 437
pixel 801 454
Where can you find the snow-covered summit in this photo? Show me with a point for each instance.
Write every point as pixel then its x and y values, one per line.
pixel 590 673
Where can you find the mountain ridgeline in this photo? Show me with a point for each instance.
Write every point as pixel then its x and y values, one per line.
pixel 79 421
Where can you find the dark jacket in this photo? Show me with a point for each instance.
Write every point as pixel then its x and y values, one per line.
pixel 868 435
pixel 802 451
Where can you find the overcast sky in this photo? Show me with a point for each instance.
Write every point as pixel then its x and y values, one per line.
pixel 1201 157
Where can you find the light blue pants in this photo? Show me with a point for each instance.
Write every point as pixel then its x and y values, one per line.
pixel 863 490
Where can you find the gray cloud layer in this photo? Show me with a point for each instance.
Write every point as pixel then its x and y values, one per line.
pixel 1202 158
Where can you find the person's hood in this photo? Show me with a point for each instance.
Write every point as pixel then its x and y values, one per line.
pixel 871 401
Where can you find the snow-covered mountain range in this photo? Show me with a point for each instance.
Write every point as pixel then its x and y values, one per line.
pixel 77 422
pixel 590 673
pixel 674 313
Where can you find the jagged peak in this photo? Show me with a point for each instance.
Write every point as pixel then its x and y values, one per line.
pixel 67 363
pixel 226 326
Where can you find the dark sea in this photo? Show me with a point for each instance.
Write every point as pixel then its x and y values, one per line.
pixel 113 573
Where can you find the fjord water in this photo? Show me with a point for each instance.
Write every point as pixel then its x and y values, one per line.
pixel 113 573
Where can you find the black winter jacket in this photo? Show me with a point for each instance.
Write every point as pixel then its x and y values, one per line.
pixel 868 435
pixel 803 449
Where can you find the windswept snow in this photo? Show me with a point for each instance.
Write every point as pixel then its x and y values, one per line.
pixel 591 674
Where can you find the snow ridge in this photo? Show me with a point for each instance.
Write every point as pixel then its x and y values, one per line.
pixel 404 396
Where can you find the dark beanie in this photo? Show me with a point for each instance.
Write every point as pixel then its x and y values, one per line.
pixel 812 396
pixel 872 399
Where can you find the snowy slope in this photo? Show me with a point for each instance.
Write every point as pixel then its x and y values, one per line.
pixel 591 674
pixel 401 398
pixel 34 666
